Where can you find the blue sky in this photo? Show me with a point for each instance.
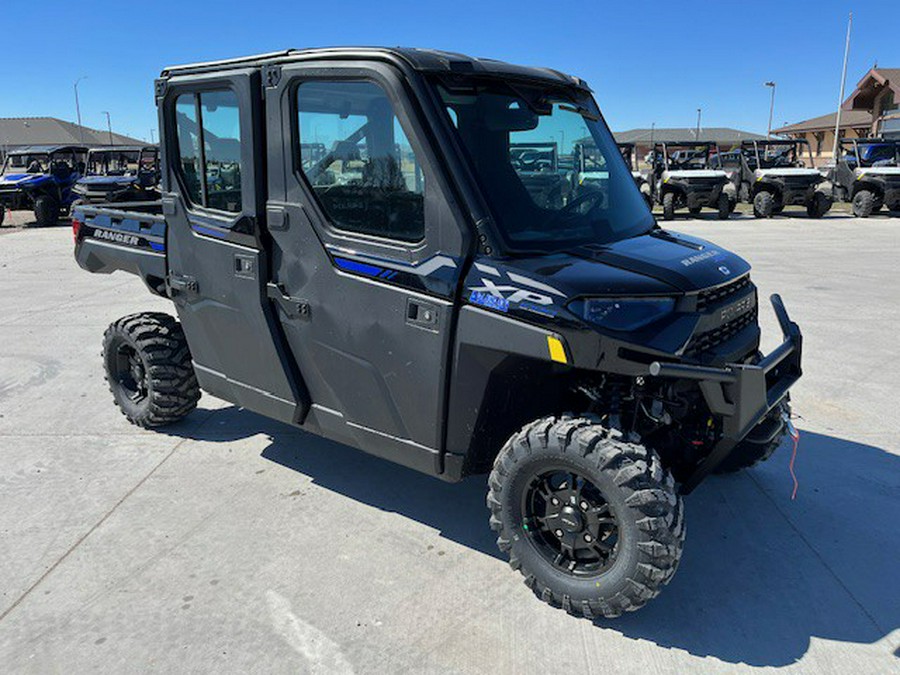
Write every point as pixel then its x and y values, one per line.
pixel 647 61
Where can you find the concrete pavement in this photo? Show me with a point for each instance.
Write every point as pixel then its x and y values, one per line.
pixel 232 543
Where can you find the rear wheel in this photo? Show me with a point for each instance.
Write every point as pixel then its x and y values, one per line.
pixel 2 213
pixel 723 205
pixel 863 204
pixel 46 210
pixel 669 206
pixel 819 205
pixel 877 203
pixel 761 442
pixel 149 370
pixel 763 204
pixel 592 522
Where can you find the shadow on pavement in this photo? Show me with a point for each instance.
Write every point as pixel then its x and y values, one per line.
pixel 760 575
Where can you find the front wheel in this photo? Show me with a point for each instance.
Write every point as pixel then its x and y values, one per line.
pixel 592 522
pixel 763 204
pixel 723 206
pixel 46 210
pixel 669 206
pixel 819 206
pixel 149 370
pixel 863 204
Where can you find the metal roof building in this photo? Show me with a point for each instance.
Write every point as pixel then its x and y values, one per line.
pixel 720 135
pixel 18 132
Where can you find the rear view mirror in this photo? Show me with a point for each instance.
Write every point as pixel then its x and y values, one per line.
pixel 513 119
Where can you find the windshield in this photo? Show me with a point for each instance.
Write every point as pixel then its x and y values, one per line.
pixel 30 163
pixel 112 163
pixel 878 154
pixel 547 165
pixel 779 155
pixel 684 157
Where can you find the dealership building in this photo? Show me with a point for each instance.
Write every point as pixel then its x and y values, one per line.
pixel 21 132
pixel 872 109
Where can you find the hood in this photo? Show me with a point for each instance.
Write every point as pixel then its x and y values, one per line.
pixel 658 263
pixel 694 173
pixel 20 178
pixel 879 171
pixel 788 171
pixel 107 180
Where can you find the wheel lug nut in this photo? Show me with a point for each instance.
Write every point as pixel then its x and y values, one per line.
pixel 554 501
pixel 559 533
pixel 588 537
pixel 584 506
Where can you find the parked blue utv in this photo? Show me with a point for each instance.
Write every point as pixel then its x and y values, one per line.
pixel 119 173
pixel 41 177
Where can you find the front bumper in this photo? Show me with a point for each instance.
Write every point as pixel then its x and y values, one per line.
pixel 741 395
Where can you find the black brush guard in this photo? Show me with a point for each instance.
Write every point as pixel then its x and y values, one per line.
pixel 742 395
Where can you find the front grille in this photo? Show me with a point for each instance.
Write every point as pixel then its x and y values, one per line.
pixel 713 296
pixel 704 342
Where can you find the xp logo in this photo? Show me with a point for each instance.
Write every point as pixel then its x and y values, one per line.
pixel 724 270
pixel 509 293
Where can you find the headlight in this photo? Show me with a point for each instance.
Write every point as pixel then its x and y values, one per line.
pixel 623 313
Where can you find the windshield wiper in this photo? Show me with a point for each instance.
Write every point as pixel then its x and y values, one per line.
pixel 581 110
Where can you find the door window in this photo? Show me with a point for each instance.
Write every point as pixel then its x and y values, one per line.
pixel 358 160
pixel 208 127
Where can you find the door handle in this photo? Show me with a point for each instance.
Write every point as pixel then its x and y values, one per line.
pixel 182 283
pixel 422 314
pixel 292 307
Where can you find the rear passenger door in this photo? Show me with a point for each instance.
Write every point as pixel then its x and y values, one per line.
pixel 213 193
pixel 368 244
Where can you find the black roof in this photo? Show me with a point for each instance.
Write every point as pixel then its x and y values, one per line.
pixel 428 60
pixel 688 144
pixel 775 141
pixel 45 149
pixel 127 148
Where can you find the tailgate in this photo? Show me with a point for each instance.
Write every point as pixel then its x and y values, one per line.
pixel 122 238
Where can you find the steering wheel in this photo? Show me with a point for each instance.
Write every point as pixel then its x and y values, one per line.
pixel 589 196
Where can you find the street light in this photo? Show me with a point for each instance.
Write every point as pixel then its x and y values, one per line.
pixel 771 108
pixel 109 127
pixel 78 108
pixel 699 112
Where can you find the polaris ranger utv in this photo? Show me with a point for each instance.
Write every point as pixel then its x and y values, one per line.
pixel 41 177
pixel 407 295
pixel 773 175
pixel 119 174
pixel 867 174
pixel 682 177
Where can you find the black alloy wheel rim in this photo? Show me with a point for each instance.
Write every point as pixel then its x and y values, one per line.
pixel 130 373
pixel 569 522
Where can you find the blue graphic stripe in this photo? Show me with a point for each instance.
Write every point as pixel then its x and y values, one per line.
pixel 199 229
pixel 156 246
pixel 359 268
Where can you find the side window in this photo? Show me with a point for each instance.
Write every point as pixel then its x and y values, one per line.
pixel 358 160
pixel 208 126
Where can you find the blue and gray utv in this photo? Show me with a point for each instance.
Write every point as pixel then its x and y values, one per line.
pixel 41 177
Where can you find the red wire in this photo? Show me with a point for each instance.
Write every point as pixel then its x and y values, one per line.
pixel 795 436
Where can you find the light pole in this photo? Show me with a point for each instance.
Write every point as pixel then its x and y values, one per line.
pixel 78 108
pixel 699 112
pixel 771 108
pixel 152 136
pixel 109 127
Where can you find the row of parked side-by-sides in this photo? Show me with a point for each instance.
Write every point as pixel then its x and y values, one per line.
pixel 770 175
pixel 51 179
